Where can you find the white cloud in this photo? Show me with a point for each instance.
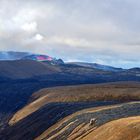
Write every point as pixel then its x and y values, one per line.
pixel 31 27
pixel 38 37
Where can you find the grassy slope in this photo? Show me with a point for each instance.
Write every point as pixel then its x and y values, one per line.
pixel 76 126
pixel 122 129
pixel 100 92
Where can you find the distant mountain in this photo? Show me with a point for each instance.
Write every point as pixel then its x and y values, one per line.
pixel 28 56
pixel 97 66
pixel 29 69
pixel 43 58
pixel 10 55
pixel 137 70
pixel 22 69
pixel 43 67
pixel 38 57
pixel 56 72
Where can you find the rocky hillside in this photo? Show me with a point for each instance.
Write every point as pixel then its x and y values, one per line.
pixel 54 104
pixel 121 92
pixel 79 127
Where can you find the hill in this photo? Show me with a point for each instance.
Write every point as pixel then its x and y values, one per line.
pixel 49 106
pixel 23 69
pixel 121 92
pixel 77 126
pixel 66 73
pixel 122 129
pixel 11 55
pixel 29 69
pixel 97 66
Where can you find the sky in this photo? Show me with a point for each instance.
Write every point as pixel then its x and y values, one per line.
pixel 99 31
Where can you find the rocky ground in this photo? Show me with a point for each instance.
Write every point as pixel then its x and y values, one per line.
pixel 78 126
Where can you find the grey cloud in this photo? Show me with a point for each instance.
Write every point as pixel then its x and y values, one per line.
pixel 105 31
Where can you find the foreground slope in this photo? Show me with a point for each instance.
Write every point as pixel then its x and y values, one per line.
pixel 122 129
pixel 40 126
pixel 77 126
pixel 50 105
pixel 121 92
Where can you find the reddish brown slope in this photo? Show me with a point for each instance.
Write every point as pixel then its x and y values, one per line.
pixel 122 129
pixel 102 92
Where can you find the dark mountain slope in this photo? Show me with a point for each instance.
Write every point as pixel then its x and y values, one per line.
pixel 23 69
pixel 29 69
pixel 97 66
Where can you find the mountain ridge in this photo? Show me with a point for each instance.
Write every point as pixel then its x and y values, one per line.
pixel 12 55
pixel 98 66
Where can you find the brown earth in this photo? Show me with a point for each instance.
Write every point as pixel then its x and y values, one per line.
pixel 101 92
pixel 77 126
pixel 122 129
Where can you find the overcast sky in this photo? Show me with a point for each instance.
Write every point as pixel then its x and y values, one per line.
pixel 102 31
